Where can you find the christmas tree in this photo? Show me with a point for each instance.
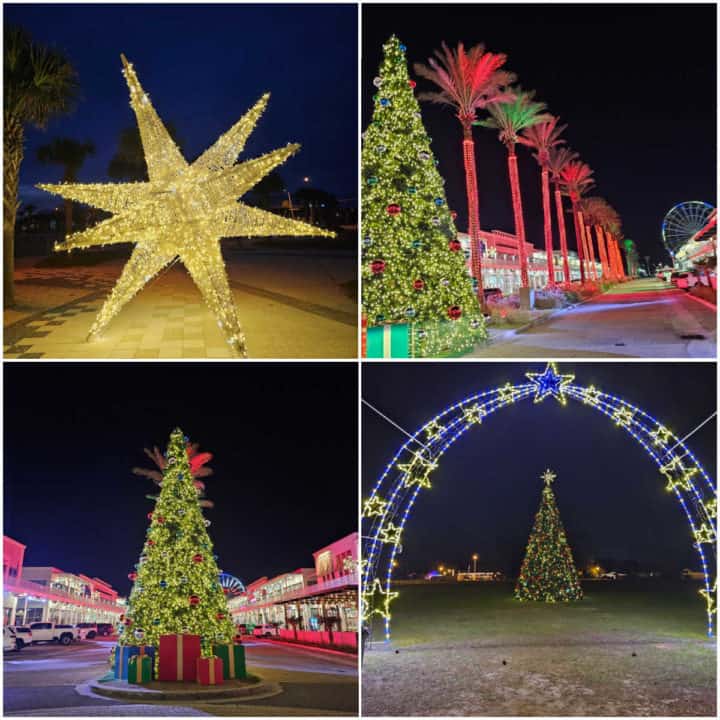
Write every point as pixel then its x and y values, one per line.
pixel 414 268
pixel 548 572
pixel 176 584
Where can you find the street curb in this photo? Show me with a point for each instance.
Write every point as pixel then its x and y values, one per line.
pixel 546 318
pixel 147 694
pixel 316 648
pixel 707 303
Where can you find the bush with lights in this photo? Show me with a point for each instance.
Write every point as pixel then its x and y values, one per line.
pixel 176 587
pixel 413 266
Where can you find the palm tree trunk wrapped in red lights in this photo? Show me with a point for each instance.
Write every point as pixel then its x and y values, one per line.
pixel 590 251
pixel 543 137
pixel 558 158
pixel 576 178
pixel 510 117
pixel 467 82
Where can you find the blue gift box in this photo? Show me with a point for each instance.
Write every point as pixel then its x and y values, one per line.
pixel 123 653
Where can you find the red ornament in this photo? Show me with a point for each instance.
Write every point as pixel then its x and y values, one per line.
pixel 377 267
pixel 132 576
pixel 412 83
pixel 220 616
pixel 150 542
pixel 453 214
pixel 419 284
pixel 194 600
pixel 128 621
pixel 160 519
pixel 454 312
pixel 198 558
pixel 149 516
pixel 238 639
pixel 455 245
pixel 394 209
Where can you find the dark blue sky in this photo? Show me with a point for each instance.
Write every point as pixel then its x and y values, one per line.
pixel 283 435
pixel 486 492
pixel 636 85
pixel 204 66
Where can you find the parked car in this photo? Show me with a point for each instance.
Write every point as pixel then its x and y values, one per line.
pixel 688 574
pixel 613 575
pixel 10 643
pixel 683 279
pixel 86 631
pixel 50 632
pixel 265 631
pixel 23 634
pixel 104 629
pixel 492 293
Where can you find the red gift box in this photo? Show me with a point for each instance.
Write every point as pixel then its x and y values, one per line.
pixel 178 654
pixel 210 671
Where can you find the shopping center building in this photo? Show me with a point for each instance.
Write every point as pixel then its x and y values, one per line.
pixel 317 604
pixel 48 594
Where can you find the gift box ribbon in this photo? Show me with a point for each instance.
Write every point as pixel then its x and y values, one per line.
pixel 180 657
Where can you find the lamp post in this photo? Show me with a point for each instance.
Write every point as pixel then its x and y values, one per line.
pixel 475 558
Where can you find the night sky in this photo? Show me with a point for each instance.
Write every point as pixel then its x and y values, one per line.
pixel 283 435
pixel 487 490
pixel 204 66
pixel 636 86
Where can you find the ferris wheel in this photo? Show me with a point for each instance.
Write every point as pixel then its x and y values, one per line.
pixel 230 584
pixel 682 222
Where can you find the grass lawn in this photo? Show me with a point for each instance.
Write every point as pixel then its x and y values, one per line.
pixel 628 648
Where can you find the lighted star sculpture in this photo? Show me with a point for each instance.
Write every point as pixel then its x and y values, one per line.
pixel 182 212
pixel 549 382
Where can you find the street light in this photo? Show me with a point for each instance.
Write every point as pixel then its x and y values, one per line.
pixel 475 558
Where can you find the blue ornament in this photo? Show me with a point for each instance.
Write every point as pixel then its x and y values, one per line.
pixel 163 584
pixel 417 244
pixel 156 621
pixel 384 102
pixel 186 438
pixel 367 241
pixel 410 312
pixel 439 201
pixel 403 48
pixel 379 319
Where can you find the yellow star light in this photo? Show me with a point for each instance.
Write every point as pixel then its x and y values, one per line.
pixel 376 601
pixel 507 393
pixel 182 212
pixel 661 435
pixel 434 430
pixel 704 534
pixel 710 598
pixel 390 534
pixel 591 395
pixel 711 507
pixel 417 471
pixel 474 414
pixel 681 481
pixel 623 416
pixel 374 506
pixel 548 476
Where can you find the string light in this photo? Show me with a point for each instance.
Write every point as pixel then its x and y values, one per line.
pixel 374 506
pixel 399 487
pixel 549 382
pixel 182 212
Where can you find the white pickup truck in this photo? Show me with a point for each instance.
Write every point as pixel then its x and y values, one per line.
pixel 51 632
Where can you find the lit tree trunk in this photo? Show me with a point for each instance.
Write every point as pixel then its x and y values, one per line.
pixel 548 226
pixel 471 189
pixel 577 217
pixel 13 148
pixel 603 253
pixel 620 263
pixel 591 252
pixel 518 213
pixel 561 232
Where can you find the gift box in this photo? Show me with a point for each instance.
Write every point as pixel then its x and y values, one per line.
pixel 123 653
pixel 178 654
pixel 388 341
pixel 233 657
pixel 140 669
pixel 209 671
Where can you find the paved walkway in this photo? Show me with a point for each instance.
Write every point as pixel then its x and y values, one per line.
pixel 290 305
pixel 641 318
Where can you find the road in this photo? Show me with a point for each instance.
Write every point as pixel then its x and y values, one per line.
pixel 52 680
pixel 640 318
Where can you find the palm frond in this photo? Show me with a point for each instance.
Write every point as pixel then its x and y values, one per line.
pixel 543 137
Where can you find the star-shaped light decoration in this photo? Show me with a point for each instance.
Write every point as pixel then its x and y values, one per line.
pixel 549 382
pixel 591 395
pixel 661 435
pixel 182 212
pixel 390 534
pixel 711 507
pixel 507 393
pixel 683 481
pixel 374 506
pixel 710 598
pixel 623 416
pixel 704 534
pixel 417 471
pixel 434 430
pixel 548 476
pixel 376 601
pixel 474 414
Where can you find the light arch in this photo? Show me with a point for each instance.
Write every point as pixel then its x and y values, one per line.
pixel 387 510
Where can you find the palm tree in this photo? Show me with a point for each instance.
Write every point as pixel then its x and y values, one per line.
pixel 39 83
pixel 468 82
pixel 510 118
pixel 543 137
pixel 576 178
pixel 594 211
pixel 558 159
pixel 71 155
pixel 128 162
pixel 614 233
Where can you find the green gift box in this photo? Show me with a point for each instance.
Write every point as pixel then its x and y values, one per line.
pixel 388 341
pixel 233 657
pixel 139 669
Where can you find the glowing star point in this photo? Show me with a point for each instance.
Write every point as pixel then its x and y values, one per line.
pixel 374 506
pixel 376 601
pixel 550 382
pixel 182 212
pixel 548 477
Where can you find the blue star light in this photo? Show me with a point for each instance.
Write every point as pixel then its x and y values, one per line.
pixel 549 382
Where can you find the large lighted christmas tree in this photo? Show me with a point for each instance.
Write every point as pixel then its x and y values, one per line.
pixel 414 267
pixel 176 582
pixel 548 572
